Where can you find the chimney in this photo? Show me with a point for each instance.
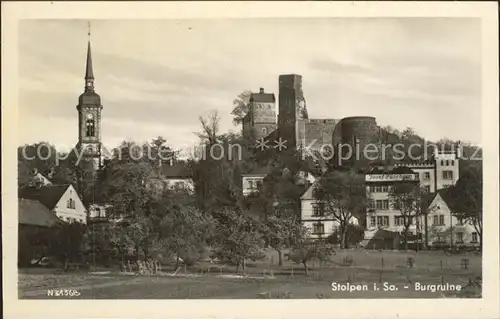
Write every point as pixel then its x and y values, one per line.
pixel 261 90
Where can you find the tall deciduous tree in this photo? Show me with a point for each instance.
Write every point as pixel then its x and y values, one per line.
pixel 238 238
pixel 467 198
pixel 344 197
pixel 241 107
pixel 406 198
pixel 305 249
pixel 185 229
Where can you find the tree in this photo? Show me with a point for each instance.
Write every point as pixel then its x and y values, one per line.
pixel 280 231
pixel 238 238
pixel 184 230
pixel 467 199
pixel 241 107
pixel 406 197
pixel 67 242
pixel 306 249
pixel 344 197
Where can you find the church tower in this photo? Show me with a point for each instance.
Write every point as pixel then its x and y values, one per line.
pixel 89 117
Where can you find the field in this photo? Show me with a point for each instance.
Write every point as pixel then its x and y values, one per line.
pixel 267 280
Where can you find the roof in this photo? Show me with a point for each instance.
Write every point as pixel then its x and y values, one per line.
pixel 309 193
pixel 48 195
pixel 446 196
pixel 176 171
pixel 89 72
pixel 258 171
pixel 382 233
pixel 262 98
pixel 32 212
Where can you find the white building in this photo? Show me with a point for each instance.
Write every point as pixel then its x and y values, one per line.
pixel 63 200
pixel 444 228
pixel 440 172
pixel 316 218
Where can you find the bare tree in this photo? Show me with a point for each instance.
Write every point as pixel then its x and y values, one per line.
pixel 344 197
pixel 406 197
pixel 209 128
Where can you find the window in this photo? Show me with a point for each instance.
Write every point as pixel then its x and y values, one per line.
pixel 372 221
pixel 264 130
pixel 447 174
pixel 447 163
pixel 71 203
pixel 398 220
pixel 378 204
pixel 427 188
pixel 383 221
pixel 441 220
pixel 90 127
pixel 385 189
pixel 251 184
pixel 258 184
pixel 460 237
pixel 318 228
pixel 396 205
pixel 442 163
pixel 452 162
pixel 435 220
pixel 474 237
pixel 385 204
pixel 427 175
pixel 319 210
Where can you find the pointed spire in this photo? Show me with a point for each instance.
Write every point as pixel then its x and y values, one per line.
pixel 89 74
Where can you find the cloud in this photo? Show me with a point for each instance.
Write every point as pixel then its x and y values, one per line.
pixel 156 77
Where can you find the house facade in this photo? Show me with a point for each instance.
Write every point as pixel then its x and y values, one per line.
pixel 444 229
pixel 63 200
pixel 175 176
pixel 314 216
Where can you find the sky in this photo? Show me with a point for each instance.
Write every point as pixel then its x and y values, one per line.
pixel 156 77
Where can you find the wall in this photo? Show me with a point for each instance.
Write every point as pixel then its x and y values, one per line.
pixel 291 107
pixel 318 133
pixel 446 162
pixel 308 220
pixel 423 181
pixel 365 131
pixel 64 212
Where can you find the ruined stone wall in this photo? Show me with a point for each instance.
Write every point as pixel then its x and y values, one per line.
pixel 358 132
pixel 318 132
pixel 292 108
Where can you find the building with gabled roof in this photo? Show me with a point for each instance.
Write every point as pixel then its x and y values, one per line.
pixel 63 200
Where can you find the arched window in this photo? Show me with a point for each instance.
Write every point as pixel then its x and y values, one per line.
pixel 264 130
pixel 447 162
pixel 452 162
pixel 90 127
pixel 442 163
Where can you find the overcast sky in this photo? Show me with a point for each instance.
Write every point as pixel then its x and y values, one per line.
pixel 156 77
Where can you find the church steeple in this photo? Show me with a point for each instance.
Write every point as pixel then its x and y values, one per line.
pixel 89 72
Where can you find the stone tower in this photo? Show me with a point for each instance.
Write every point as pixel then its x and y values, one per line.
pixel 89 118
pixel 261 117
pixel 292 109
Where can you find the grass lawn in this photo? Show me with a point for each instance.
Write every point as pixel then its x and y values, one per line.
pixel 288 281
